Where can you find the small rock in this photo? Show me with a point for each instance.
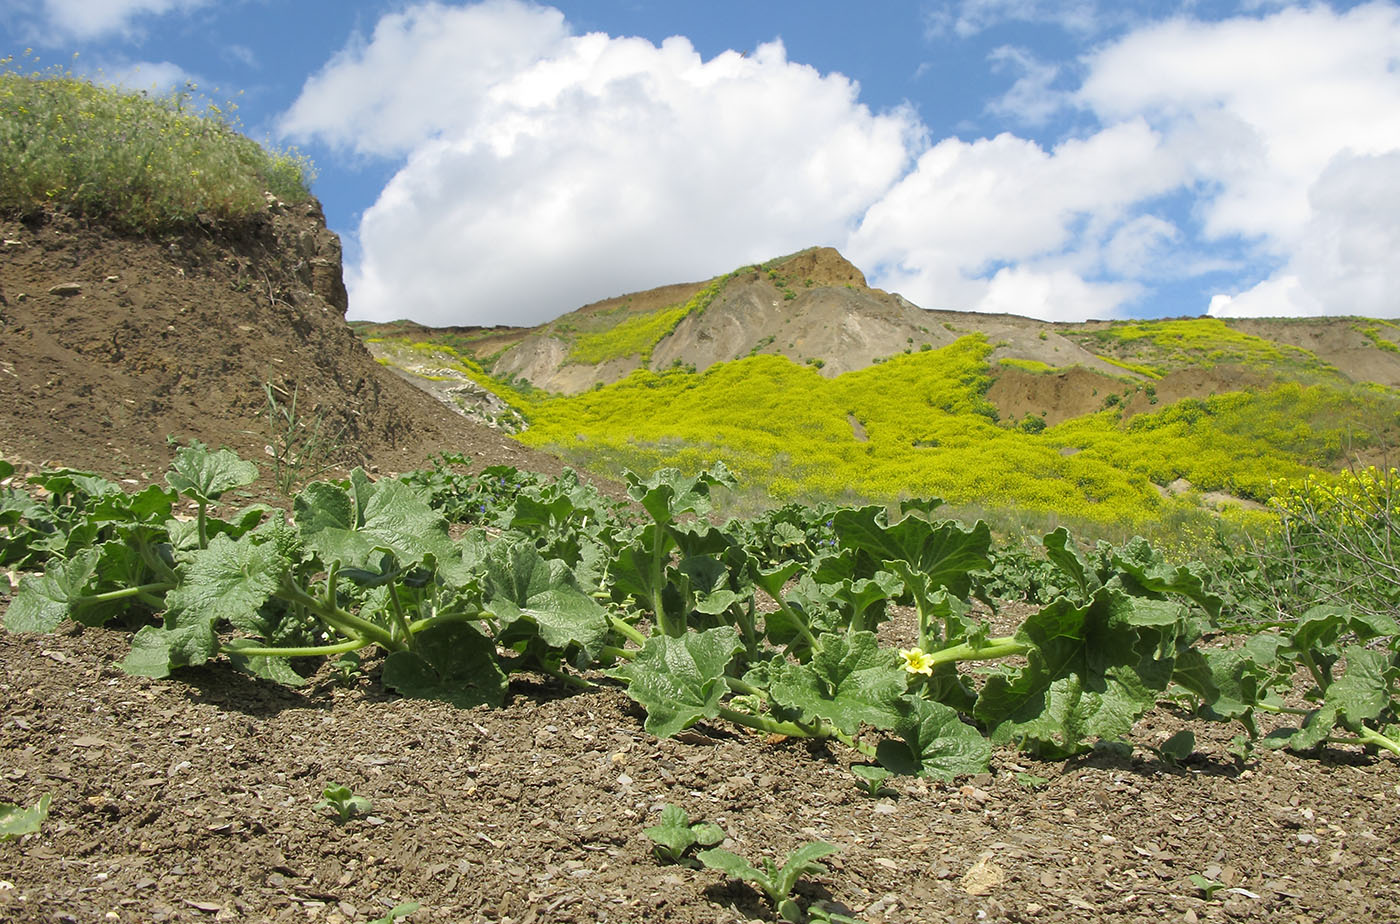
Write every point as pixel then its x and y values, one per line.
pixel 67 289
pixel 983 877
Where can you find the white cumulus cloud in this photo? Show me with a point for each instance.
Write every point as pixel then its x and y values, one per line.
pixel 1004 225
pixel 547 169
pixel 90 19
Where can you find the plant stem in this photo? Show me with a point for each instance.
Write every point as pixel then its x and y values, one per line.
pixel 1006 646
pixel 773 726
pixel 623 627
pixel 623 654
pixel 312 651
pixel 400 621
pixel 338 619
pixel 1370 736
pixel 142 591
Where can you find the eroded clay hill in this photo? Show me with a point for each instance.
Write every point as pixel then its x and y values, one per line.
pixel 815 307
pixel 111 344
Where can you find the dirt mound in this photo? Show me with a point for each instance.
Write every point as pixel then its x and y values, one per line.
pixel 112 344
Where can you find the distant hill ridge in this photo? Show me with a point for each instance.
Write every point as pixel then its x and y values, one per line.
pixel 815 308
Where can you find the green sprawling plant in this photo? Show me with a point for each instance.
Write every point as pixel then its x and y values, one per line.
pixel 140 162
pixel 769 623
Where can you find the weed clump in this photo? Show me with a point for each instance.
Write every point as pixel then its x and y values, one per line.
pixel 141 162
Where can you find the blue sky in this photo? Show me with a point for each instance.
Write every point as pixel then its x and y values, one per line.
pixel 506 162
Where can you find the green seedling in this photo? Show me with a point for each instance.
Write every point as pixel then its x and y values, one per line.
pixel 675 834
pixel 17 822
pixel 342 802
pixel 1031 781
pixel 1208 887
pixel 346 669
pixel 777 882
pixel 871 778
pixel 401 910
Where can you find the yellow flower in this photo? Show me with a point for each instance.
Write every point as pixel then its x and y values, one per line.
pixel 916 662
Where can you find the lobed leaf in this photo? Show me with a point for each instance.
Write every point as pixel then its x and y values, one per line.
pixel 850 681
pixel 451 662
pixel 680 681
pixel 933 742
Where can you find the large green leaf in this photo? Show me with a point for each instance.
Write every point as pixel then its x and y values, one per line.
pixel 934 742
pixel 1364 692
pixel 681 680
pixel 1060 550
pixel 1147 569
pixel 849 682
pixel 666 494
pixel 945 552
pixel 1095 668
pixel 204 476
pixel 355 525
pixel 45 600
pixel 451 662
pixel 520 585
pixel 156 651
pixel 228 581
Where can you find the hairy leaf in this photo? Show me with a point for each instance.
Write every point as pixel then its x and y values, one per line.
pixel 680 680
pixel 850 681
pixel 204 476
pixel 156 651
pixel 520 585
pixel 1095 669
pixel 944 552
pixel 45 600
pixel 934 742
pixel 228 581
pixel 452 662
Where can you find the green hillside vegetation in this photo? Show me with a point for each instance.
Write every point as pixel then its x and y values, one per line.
pixel 141 163
pixel 918 425
pixel 1153 348
pixel 636 333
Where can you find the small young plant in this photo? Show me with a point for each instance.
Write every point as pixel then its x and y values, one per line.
pixel 16 821
pixel 342 803
pixel 871 778
pixel 346 669
pixel 777 882
pixel 401 910
pixel 1207 886
pixel 675 834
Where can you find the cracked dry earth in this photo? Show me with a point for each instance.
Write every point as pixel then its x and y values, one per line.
pixel 192 800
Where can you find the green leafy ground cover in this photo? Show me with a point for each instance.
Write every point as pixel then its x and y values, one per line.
pixel 1153 348
pixel 139 162
pixel 926 429
pixel 769 623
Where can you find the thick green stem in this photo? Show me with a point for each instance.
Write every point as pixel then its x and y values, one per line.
pixel 338 619
pixel 1283 710
pixel 202 524
pixel 773 726
pixel 419 625
pixel 400 621
pixel 1006 646
pixel 142 591
pixel 624 628
pixel 1371 736
pixel 617 654
pixel 311 651
pixel 577 683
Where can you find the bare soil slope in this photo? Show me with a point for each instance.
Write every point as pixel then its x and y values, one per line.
pixel 110 344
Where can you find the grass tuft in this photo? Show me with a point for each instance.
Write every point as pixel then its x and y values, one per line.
pixel 141 162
